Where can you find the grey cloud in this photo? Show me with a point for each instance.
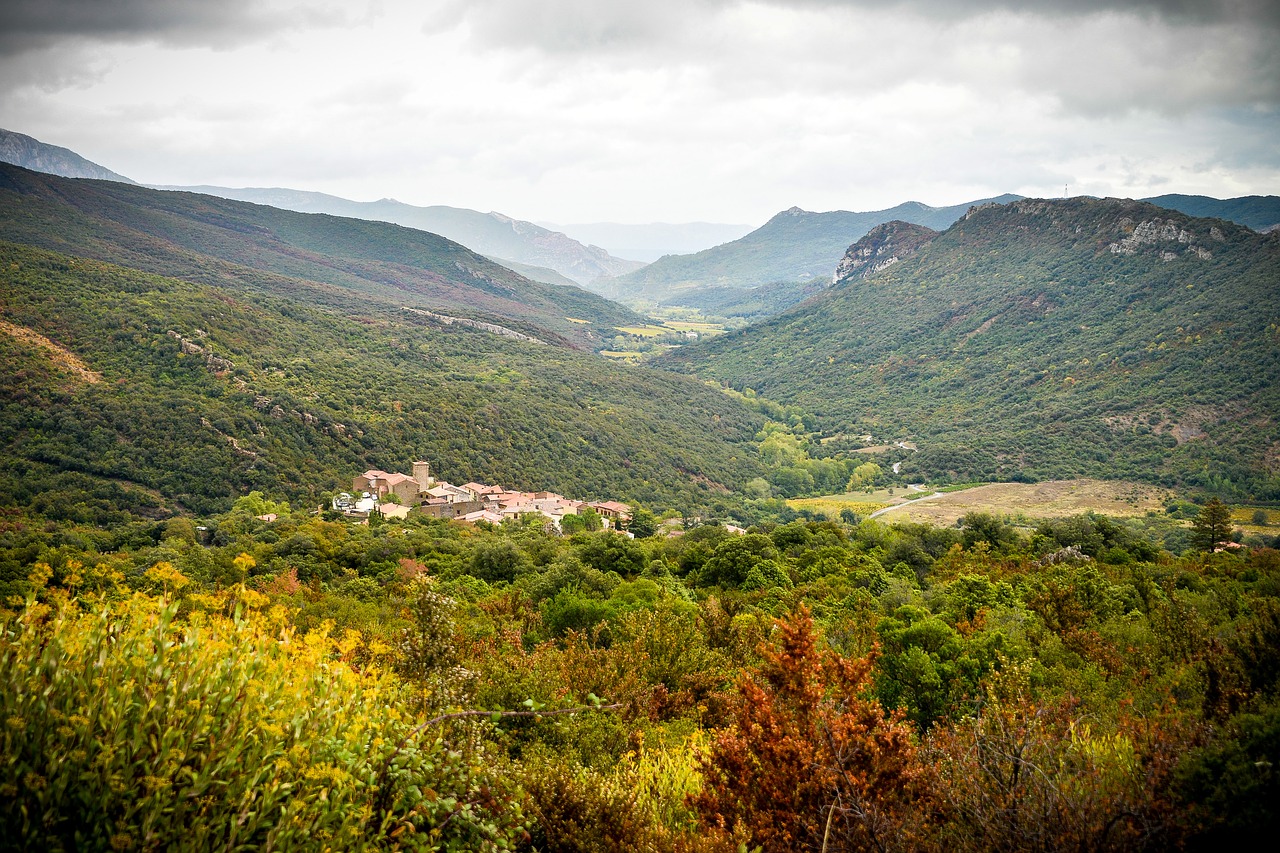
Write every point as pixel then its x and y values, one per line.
pixel 566 26
pixel 1173 11
pixel 32 24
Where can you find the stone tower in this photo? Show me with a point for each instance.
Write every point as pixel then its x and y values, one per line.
pixel 422 473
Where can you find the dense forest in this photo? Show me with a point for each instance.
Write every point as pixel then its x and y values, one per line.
pixel 309 682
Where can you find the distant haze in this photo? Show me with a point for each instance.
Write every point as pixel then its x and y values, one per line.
pixel 652 241
pixel 663 111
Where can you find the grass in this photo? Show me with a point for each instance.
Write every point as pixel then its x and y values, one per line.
pixel 1050 499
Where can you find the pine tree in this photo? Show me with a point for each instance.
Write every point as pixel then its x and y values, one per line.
pixel 1212 525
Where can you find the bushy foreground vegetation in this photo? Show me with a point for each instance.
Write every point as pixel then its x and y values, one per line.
pixel 806 686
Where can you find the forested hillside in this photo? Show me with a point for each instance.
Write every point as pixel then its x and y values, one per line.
pixel 123 391
pixel 1044 339
pixel 310 257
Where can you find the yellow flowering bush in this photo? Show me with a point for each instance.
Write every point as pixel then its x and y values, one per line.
pixel 127 727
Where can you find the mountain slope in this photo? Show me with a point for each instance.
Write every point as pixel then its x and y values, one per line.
pixel 1259 212
pixel 1045 339
pixel 123 392
pixel 793 246
pixel 490 234
pixel 317 257
pixel 19 149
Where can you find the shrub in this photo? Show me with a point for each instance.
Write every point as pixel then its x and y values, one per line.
pixel 129 727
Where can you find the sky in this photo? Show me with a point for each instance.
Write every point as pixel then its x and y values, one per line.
pixel 577 111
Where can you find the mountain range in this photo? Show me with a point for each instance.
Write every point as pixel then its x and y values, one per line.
pixel 317 256
pixel 795 246
pixel 166 352
pixel 498 237
pixel 1039 339
pixel 184 347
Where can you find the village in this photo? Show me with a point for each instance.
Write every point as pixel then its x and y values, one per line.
pixel 397 495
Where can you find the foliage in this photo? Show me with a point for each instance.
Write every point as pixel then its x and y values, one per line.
pixel 130 726
pixel 922 684
pixel 810 763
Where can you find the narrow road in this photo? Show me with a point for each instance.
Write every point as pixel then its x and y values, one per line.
pixel 907 503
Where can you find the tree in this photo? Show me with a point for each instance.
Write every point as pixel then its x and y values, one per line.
pixel 864 475
pixel 643 523
pixel 811 763
pixel 1211 526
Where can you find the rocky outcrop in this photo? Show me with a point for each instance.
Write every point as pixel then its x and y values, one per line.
pixel 1170 238
pixel 882 247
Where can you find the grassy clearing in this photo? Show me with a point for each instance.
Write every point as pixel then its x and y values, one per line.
pixel 1052 499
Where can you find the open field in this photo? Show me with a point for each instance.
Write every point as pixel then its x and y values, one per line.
pixel 1052 499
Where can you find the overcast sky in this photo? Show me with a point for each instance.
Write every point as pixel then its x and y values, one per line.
pixel 657 110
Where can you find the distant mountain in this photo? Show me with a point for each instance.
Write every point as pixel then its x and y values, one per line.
pixel 1040 339
pixel 651 241
pixel 490 234
pixel 29 153
pixel 310 257
pixel 1259 212
pixel 794 246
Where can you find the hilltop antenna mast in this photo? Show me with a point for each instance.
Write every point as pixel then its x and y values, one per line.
pixel 1064 190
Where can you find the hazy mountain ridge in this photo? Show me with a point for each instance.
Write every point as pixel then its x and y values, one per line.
pixel 795 245
pixel 1042 339
pixel 490 234
pixel 321 257
pixel 19 149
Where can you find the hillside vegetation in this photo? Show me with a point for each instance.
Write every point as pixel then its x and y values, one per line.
pixel 188 395
pixel 426 685
pixel 1044 339
pixel 310 257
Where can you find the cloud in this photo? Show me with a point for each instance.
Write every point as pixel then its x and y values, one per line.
pixel 27 25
